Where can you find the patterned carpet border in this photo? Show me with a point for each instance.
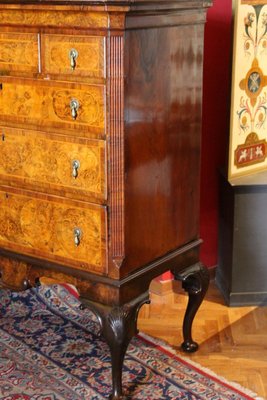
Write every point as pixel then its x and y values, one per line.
pixel 164 347
pixel 50 349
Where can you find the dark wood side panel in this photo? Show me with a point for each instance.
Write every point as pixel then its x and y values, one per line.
pixel 163 92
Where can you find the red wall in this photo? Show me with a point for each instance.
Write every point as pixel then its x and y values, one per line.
pixel 216 109
pixel 215 131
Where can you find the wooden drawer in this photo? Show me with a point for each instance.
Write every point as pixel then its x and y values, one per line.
pixel 18 53
pixel 48 163
pixel 48 227
pixel 67 107
pixel 75 56
pixel 36 16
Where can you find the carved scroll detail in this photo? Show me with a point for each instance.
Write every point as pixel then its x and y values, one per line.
pixel 118 325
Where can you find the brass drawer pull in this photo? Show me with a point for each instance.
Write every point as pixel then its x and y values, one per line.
pixel 73 54
pixel 74 106
pixel 75 166
pixel 77 236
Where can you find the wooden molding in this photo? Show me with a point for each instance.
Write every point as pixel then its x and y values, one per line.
pixel 116 147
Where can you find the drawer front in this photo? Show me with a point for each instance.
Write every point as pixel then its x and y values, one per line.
pixel 52 228
pixel 47 162
pixel 76 56
pixel 18 53
pixel 36 16
pixel 67 107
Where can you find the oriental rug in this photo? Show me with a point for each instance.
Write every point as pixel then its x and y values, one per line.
pixel 50 349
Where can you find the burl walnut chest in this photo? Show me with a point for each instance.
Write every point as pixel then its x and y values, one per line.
pixel 100 126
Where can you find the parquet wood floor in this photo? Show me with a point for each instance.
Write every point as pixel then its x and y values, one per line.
pixel 233 340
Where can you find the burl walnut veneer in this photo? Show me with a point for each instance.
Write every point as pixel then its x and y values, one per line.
pixel 100 126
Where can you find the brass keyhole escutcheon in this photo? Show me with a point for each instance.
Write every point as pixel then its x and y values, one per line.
pixel 73 54
pixel 77 236
pixel 75 167
pixel 74 106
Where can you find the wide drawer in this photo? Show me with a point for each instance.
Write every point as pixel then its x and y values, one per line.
pixel 48 163
pixel 76 56
pixel 67 107
pixel 49 227
pixel 18 52
pixel 36 15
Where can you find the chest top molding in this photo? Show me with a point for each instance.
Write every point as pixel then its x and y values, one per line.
pixel 152 5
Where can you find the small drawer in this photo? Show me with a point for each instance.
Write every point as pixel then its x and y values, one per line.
pixel 70 233
pixel 18 53
pixel 49 163
pixel 65 106
pixel 75 56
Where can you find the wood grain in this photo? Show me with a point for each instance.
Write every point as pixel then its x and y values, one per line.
pixel 147 108
pixel 232 339
pixel 116 148
pixel 162 140
pixel 44 162
pixel 91 55
pixel 42 104
pixel 45 227
pixel 53 17
pixel 13 272
pixel 18 52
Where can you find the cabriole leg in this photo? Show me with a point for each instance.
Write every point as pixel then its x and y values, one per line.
pixel 195 280
pixel 118 326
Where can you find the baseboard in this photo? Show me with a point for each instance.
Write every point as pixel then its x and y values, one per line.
pixel 247 299
pixel 212 272
pixel 239 299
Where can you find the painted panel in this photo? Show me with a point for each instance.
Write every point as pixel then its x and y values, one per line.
pixel 248 129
